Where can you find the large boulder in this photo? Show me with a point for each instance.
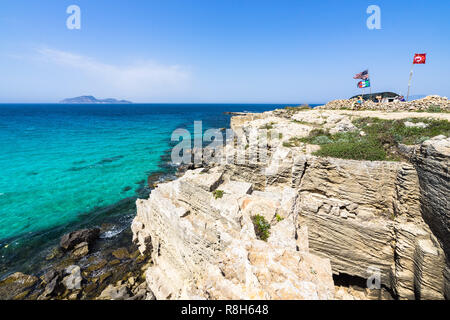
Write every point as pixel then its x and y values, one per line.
pixel 70 240
pixel 111 292
pixel 73 279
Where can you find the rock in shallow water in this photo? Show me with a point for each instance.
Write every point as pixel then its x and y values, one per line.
pixel 16 285
pixel 80 250
pixel 70 240
pixel 50 288
pixel 121 253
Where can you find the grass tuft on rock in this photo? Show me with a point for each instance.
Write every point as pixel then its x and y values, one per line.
pixel 268 126
pixel 262 227
pixel 292 142
pixel 218 194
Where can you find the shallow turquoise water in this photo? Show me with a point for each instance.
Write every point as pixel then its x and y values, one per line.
pixel 59 162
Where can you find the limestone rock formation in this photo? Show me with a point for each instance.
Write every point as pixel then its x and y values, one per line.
pixel 363 219
pixel 203 247
pixel 432 161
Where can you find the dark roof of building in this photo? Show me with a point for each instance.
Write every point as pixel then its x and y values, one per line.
pixel 374 95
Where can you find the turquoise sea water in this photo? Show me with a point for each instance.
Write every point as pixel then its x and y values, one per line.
pixel 64 163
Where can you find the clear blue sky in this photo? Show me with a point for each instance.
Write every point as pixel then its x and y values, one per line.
pixel 219 51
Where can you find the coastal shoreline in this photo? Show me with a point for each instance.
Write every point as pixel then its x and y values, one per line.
pixel 121 266
pixel 39 244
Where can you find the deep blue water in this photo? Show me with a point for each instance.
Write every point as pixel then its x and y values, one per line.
pixel 61 164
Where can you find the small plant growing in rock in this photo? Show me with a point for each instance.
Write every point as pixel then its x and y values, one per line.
pixel 218 194
pixel 420 140
pixel 279 218
pixel 262 227
pixel 292 142
pixel 302 122
pixel 268 126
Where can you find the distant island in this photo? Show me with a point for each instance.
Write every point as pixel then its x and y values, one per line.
pixel 92 99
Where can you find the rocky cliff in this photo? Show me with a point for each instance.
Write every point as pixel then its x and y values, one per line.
pixel 327 216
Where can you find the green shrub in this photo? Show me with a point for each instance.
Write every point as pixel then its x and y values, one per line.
pixel 218 194
pixel 262 227
pixel 434 108
pixel 279 218
pixel 357 150
pixel 380 141
pixel 421 140
pixel 321 140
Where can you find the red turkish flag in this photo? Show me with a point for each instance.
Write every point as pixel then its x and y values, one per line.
pixel 420 58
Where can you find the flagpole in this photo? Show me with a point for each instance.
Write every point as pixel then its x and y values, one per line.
pixel 362 102
pixel 409 82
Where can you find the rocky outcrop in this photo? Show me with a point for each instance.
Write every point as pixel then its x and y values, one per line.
pixel 17 286
pixel 432 161
pixel 71 240
pixel 424 104
pixel 206 247
pixel 361 215
pixel 368 219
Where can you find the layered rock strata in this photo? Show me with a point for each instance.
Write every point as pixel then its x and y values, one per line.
pixel 206 247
